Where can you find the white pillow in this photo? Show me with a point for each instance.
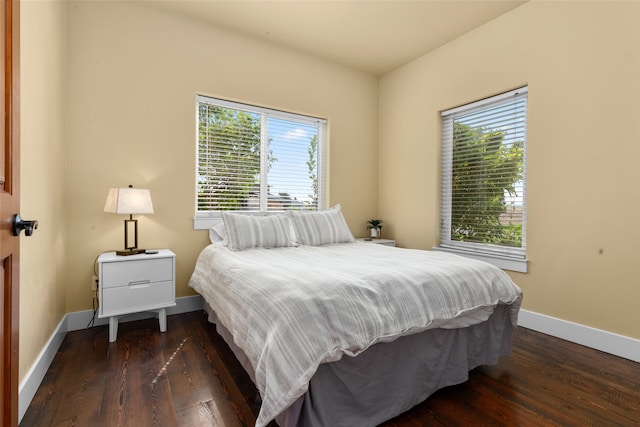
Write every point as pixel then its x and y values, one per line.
pixel 320 228
pixel 250 231
pixel 217 234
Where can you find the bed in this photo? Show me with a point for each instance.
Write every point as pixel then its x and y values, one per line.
pixel 338 332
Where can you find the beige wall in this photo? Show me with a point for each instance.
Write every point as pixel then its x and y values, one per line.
pixel 42 256
pixel 581 61
pixel 134 72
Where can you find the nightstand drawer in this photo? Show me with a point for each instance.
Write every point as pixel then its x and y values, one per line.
pixel 124 273
pixel 136 297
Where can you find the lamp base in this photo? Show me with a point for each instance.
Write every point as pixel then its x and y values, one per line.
pixel 130 252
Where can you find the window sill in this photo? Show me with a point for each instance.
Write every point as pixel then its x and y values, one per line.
pixel 204 223
pixel 504 262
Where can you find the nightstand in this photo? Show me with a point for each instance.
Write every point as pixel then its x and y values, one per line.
pixel 385 242
pixel 136 283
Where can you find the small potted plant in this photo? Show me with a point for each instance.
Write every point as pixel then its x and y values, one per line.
pixel 375 225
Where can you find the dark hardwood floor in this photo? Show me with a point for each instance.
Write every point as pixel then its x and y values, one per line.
pixel 189 377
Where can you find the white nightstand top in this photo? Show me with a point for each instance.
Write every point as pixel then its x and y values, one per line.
pixel 386 242
pixel 112 257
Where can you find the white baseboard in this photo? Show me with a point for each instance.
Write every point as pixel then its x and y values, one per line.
pixel 618 345
pixel 73 322
pixel 32 380
pixel 80 319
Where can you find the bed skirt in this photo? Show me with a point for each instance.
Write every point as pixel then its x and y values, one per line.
pixel 390 378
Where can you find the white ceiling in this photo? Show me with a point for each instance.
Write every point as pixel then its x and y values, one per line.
pixel 374 36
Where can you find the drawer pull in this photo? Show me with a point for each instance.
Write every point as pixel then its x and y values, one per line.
pixel 139 284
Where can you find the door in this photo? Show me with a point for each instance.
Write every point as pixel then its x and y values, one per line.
pixel 9 205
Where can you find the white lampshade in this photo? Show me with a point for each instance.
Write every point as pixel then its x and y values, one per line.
pixel 129 201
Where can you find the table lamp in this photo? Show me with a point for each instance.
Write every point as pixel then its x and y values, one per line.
pixel 129 201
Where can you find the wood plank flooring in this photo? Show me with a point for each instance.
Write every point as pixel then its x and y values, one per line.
pixel 189 377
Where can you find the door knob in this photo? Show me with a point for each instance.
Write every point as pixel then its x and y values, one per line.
pixel 20 224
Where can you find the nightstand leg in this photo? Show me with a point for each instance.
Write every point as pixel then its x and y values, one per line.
pixel 113 328
pixel 162 319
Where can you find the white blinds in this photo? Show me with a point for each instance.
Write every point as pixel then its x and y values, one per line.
pixel 256 159
pixel 484 169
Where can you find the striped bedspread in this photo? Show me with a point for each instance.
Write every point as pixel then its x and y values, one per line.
pixel 292 308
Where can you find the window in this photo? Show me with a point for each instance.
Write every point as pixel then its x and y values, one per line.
pixel 483 180
pixel 252 159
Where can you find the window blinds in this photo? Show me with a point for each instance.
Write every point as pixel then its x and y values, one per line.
pixel 483 180
pixel 257 159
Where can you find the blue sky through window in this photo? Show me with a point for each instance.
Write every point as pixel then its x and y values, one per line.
pixel 289 143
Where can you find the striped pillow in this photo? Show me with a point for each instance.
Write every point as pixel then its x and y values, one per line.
pixel 321 228
pixel 250 231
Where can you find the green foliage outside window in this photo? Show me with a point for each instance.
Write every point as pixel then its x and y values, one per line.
pixel 229 159
pixel 312 168
pixel 484 170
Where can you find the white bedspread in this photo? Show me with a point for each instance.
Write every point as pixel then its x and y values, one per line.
pixel 291 309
